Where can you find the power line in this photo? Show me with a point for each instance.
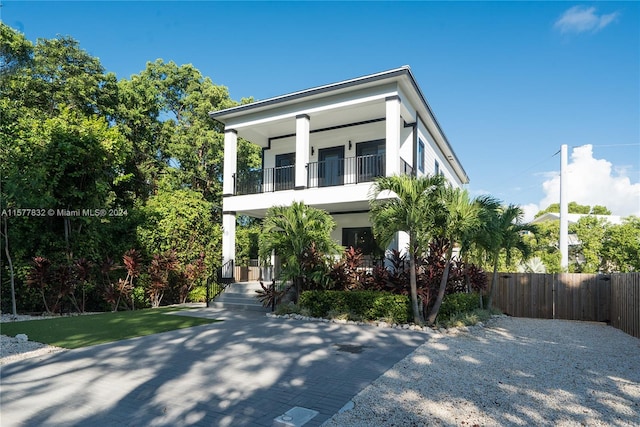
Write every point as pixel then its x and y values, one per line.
pixel 612 145
pixel 546 159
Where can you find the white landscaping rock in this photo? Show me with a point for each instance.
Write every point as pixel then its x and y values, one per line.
pixel 512 371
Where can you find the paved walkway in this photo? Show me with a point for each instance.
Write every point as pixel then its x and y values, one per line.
pixel 244 371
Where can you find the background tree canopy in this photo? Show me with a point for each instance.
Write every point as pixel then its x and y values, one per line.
pixel 141 152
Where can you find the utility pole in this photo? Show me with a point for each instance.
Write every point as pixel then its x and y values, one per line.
pixel 564 211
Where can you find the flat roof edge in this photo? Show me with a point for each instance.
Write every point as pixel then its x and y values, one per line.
pixel 312 91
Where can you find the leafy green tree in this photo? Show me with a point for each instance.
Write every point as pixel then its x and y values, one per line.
pixel 247 238
pixel 575 208
pixel 590 232
pixel 58 149
pixel 600 210
pixel 508 230
pixel 164 110
pixel 180 220
pixel 544 245
pixel 15 50
pixel 293 233
pixel 56 73
pixel 414 209
pixel 621 246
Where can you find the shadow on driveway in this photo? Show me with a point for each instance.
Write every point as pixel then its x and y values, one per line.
pixel 244 371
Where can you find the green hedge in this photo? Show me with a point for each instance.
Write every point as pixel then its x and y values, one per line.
pixel 369 305
pixel 458 303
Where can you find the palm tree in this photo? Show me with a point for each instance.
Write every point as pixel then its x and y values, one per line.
pixel 474 245
pixel 461 218
pixel 292 232
pixel 411 208
pixel 507 230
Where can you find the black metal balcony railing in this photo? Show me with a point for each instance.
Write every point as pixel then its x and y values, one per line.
pixel 405 168
pixel 265 180
pixel 352 170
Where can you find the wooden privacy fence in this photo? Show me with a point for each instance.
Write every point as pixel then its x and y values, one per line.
pixel 246 274
pixel 625 303
pixel 611 298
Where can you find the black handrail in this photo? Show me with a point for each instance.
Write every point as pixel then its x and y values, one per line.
pixel 265 180
pixel 351 170
pixel 217 283
pixel 405 168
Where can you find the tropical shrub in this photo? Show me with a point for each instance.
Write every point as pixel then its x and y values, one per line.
pixel 458 303
pixel 269 295
pixel 301 236
pixel 347 274
pixel 368 305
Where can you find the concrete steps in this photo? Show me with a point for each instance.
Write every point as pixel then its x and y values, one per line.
pixel 240 296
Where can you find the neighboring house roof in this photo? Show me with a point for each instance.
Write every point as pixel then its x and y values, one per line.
pixel 403 76
pixel 573 218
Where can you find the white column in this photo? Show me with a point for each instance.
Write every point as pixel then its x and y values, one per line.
pixel 393 135
pixel 564 211
pixel 403 242
pixel 228 241
pixel 230 161
pixel 302 150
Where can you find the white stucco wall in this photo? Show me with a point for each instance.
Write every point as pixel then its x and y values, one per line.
pixel 433 153
pixel 327 139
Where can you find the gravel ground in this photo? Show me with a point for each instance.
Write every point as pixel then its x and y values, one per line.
pixel 12 349
pixel 512 372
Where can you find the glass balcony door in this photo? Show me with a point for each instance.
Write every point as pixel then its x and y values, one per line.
pixel 331 166
pixel 370 159
pixel 284 172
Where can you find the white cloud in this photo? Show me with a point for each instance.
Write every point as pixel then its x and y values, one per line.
pixel 591 182
pixel 530 210
pixel 579 19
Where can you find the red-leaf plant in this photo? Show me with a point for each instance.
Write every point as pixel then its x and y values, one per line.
pixel 38 277
pixel 161 266
pixel 83 273
pixel 131 260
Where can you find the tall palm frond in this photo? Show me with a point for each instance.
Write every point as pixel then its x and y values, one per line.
pixel 460 220
pixel 508 229
pixel 409 204
pixel 291 231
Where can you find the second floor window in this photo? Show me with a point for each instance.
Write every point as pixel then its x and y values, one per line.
pixel 420 158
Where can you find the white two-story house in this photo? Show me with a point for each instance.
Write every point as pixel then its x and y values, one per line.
pixel 325 145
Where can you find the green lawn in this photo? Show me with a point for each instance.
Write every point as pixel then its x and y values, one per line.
pixel 83 331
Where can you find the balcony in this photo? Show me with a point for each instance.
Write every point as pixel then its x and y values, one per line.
pixel 328 173
pixel 264 180
pixel 352 170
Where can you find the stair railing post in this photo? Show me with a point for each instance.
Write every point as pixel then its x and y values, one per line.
pixel 273 300
pixel 208 290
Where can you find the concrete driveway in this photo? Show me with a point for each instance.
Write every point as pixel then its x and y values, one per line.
pixel 244 371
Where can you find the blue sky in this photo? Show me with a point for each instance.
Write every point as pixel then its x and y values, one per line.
pixel 508 81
